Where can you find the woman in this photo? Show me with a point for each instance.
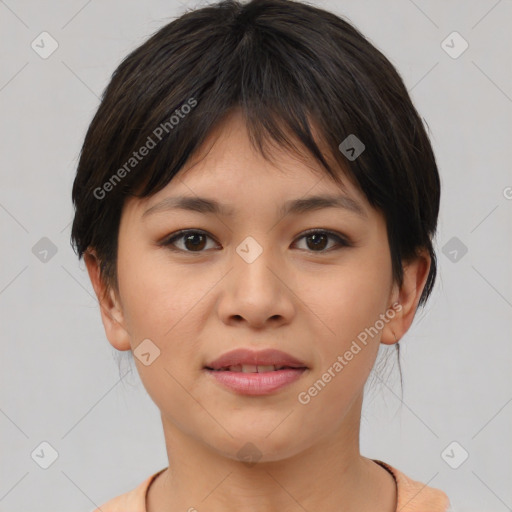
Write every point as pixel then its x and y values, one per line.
pixel 255 201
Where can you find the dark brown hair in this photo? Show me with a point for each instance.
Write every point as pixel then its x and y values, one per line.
pixel 292 69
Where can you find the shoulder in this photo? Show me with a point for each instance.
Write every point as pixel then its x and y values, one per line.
pixel 132 501
pixel 415 496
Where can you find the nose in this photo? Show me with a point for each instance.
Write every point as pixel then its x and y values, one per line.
pixel 257 293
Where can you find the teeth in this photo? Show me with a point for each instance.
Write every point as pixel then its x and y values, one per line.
pixel 263 369
pixel 249 368
pixel 252 368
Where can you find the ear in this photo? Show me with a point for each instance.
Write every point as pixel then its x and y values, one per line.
pixel 404 301
pixel 110 306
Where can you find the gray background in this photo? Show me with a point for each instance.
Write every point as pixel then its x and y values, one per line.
pixel 60 381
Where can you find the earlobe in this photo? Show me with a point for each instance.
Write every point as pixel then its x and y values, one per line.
pixel 110 308
pixel 408 296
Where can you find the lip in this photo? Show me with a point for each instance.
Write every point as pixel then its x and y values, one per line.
pixel 252 357
pixel 257 383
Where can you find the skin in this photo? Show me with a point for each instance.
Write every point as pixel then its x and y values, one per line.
pixel 311 303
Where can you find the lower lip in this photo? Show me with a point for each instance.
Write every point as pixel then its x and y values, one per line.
pixel 257 383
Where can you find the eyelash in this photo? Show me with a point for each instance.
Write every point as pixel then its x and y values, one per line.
pixel 342 241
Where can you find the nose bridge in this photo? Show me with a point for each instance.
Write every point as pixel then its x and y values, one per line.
pixel 255 292
pixel 252 263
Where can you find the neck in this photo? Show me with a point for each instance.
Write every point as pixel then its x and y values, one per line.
pixel 328 475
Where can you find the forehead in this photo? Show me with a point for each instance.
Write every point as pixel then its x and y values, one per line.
pixel 228 166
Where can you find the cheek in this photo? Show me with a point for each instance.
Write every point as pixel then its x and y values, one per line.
pixel 163 302
pixel 165 307
pixel 349 298
pixel 347 302
pixel 348 307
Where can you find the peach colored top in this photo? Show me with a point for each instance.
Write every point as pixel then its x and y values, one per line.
pixel 413 496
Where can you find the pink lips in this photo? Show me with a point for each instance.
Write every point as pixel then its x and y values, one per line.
pixel 261 357
pixel 255 383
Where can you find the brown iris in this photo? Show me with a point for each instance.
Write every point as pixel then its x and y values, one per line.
pixel 316 237
pixel 193 239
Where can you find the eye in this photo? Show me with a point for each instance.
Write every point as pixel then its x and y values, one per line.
pixel 319 238
pixel 193 240
pixel 196 240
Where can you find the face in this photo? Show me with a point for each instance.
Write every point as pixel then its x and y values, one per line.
pixel 252 277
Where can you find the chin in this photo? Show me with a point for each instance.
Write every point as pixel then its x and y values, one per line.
pixel 258 445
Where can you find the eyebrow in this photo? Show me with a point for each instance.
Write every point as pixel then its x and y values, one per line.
pixel 290 207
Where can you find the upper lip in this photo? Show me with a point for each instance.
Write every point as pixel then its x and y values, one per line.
pixel 258 358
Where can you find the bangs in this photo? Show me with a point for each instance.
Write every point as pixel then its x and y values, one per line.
pixel 284 107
